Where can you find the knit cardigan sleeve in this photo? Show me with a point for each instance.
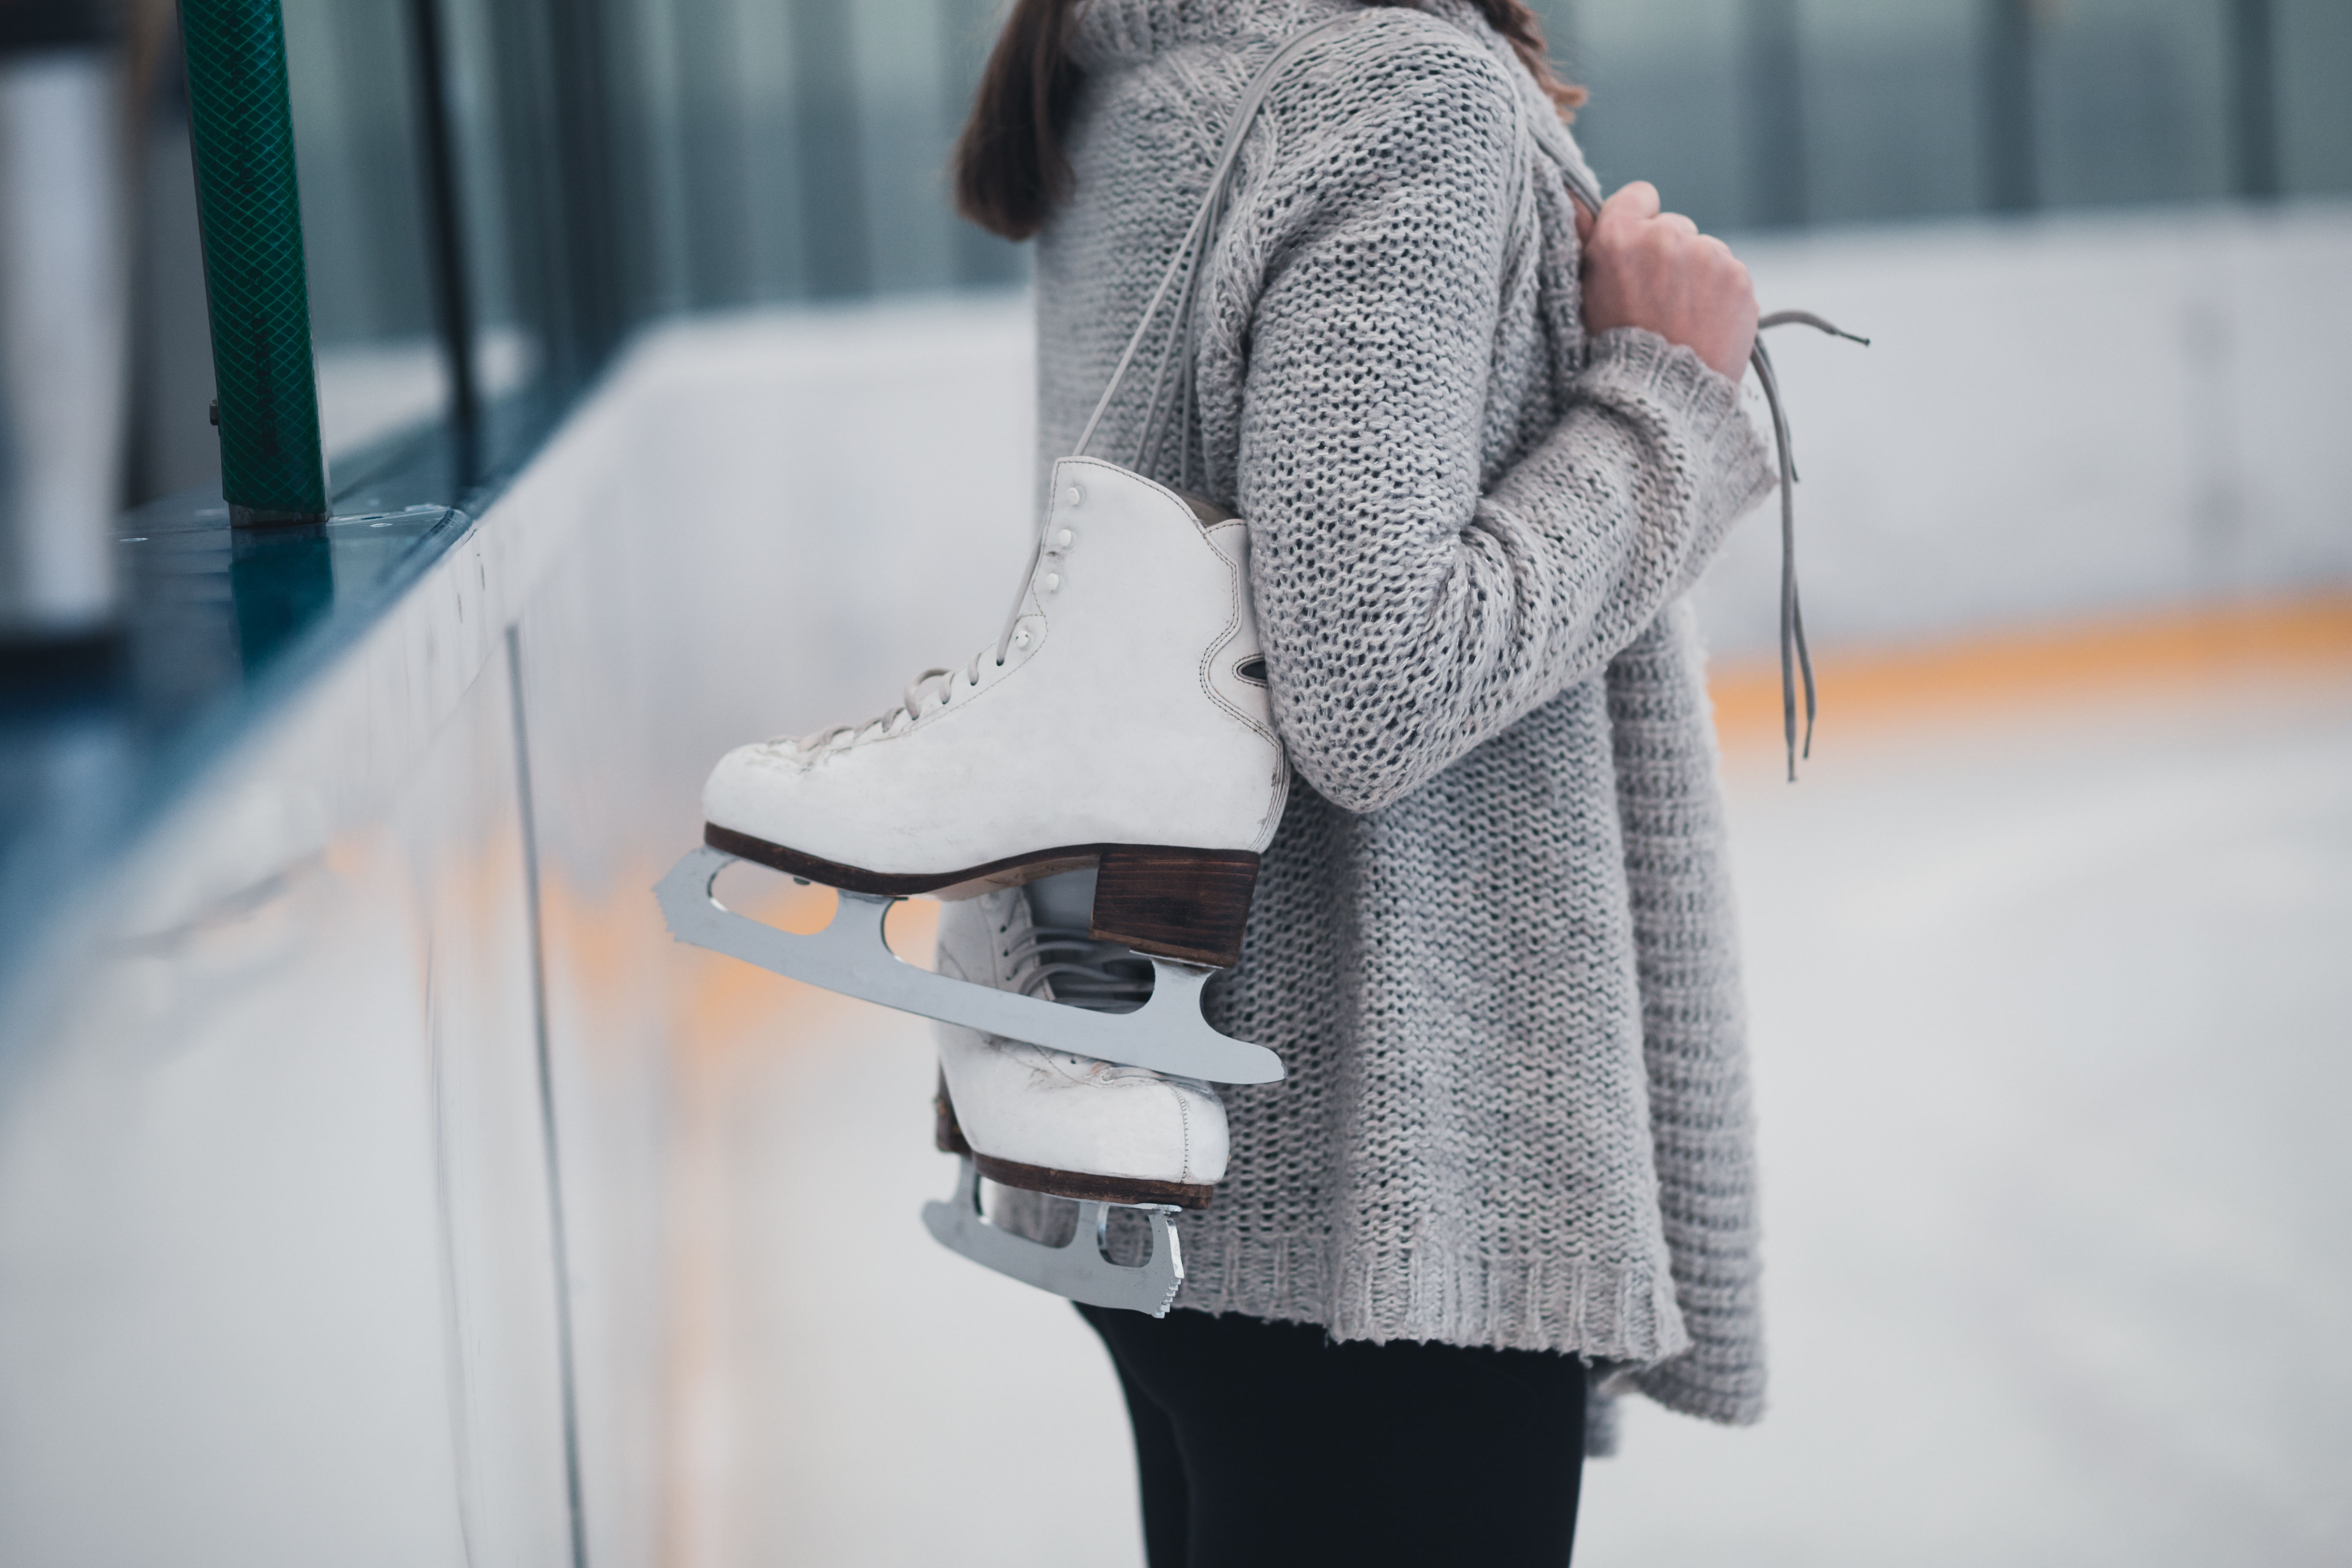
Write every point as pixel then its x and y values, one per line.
pixel 1409 611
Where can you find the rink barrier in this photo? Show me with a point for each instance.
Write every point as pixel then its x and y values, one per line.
pixel 2042 666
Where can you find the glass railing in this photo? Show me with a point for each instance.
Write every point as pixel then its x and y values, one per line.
pixel 533 177
pixel 1777 113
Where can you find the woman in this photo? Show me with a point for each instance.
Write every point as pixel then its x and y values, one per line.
pixel 1485 442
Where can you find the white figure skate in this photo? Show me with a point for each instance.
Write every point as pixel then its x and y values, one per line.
pixel 1122 722
pixel 1068 1126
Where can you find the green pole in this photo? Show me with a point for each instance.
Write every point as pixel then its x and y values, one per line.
pixel 272 468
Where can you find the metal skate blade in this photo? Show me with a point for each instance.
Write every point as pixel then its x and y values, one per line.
pixel 1167 1034
pixel 1077 1268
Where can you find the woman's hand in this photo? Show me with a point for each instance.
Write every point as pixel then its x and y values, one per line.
pixel 1647 268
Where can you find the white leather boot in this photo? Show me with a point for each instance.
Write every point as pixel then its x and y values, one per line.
pixel 1049 1120
pixel 1121 721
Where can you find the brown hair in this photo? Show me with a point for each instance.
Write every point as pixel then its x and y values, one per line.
pixel 1009 166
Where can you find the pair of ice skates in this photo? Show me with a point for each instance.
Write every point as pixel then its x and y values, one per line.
pixel 1115 747
pixel 1119 725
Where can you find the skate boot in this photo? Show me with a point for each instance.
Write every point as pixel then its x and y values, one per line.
pixel 1120 723
pixel 1067 1126
pixel 1072 1126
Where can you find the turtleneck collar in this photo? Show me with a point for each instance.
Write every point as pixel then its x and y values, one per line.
pixel 1108 34
pixel 1121 31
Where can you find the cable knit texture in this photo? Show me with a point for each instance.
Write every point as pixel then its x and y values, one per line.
pixel 1492 941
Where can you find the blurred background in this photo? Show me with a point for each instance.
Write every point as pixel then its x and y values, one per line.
pixel 379 1183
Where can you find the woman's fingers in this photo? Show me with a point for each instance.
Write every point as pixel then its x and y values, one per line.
pixel 1631 217
pixel 1638 200
pixel 1647 267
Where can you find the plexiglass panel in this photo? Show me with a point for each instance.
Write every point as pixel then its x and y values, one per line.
pixel 2312 45
pixel 2131 101
pixel 1893 108
pixel 1778 113
pixel 350 70
pixel 1667 108
pixel 277 1253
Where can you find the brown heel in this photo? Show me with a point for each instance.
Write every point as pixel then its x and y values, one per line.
pixel 1079 1185
pixel 946 1135
pixel 1188 904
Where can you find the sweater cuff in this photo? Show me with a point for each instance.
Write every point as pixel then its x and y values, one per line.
pixel 1722 456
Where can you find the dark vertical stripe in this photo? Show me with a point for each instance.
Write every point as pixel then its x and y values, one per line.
pixel 1776 115
pixel 717 182
pixel 520 109
pixel 537 936
pixel 832 177
pixel 2006 93
pixel 445 210
pixel 2253 98
pixel 587 235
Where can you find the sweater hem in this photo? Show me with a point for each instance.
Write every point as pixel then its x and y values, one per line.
pixel 1740 1405
pixel 1602 1311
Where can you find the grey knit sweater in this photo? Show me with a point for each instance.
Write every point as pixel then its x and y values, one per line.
pixel 1492 940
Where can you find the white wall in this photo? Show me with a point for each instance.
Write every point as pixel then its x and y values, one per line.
pixel 279 1251
pixel 276 1267
pixel 2060 416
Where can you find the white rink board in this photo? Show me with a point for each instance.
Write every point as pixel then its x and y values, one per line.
pixel 2055 415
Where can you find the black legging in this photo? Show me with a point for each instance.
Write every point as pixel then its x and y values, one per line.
pixel 1265 1443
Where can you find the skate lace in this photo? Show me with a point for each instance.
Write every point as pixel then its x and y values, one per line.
pixel 937 686
pixel 933 686
pixel 1065 963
